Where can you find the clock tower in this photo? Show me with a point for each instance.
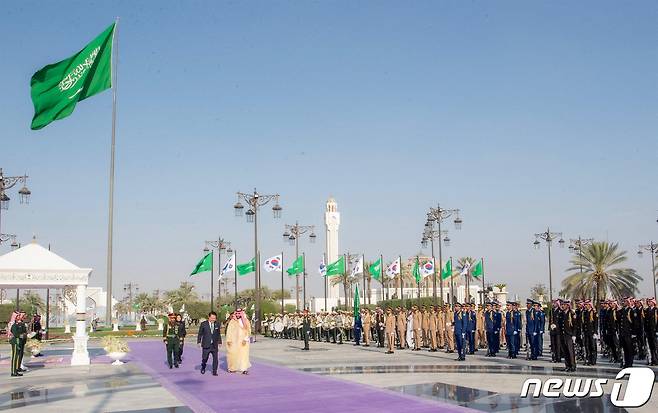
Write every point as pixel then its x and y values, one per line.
pixel 332 222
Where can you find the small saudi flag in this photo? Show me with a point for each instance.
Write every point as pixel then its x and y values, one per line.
pixel 446 271
pixel 297 266
pixel 247 267
pixel 416 271
pixel 477 269
pixel 337 267
pixel 58 87
pixel 204 265
pixel 375 269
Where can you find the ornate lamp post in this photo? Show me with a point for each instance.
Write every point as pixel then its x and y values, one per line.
pixel 128 289
pixel 437 216
pixel 254 201
pixel 549 237
pixel 220 245
pixel 651 247
pixel 292 235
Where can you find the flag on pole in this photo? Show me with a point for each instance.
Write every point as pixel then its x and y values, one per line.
pixel 466 268
pixel 393 268
pixel 375 270
pixel 274 263
pixel 323 268
pixel 297 266
pixel 416 271
pixel 58 87
pixel 446 271
pixel 247 267
pixel 358 267
pixel 477 270
pixel 356 301
pixel 427 268
pixel 204 265
pixel 337 267
pixel 229 266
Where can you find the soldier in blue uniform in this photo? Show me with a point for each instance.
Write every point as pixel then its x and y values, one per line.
pixel 530 326
pixel 358 326
pixel 498 323
pixel 472 326
pixel 519 323
pixel 489 328
pixel 541 327
pixel 460 324
pixel 512 328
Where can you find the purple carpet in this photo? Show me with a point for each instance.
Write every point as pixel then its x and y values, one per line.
pixel 269 388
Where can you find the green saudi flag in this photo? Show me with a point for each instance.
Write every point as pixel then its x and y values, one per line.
pixel 297 266
pixel 416 271
pixel 247 267
pixel 477 270
pixel 336 268
pixel 58 87
pixel 446 271
pixel 204 265
pixel 376 270
pixel 356 301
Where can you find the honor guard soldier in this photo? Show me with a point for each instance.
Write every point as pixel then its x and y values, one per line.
pixel 588 324
pixel 529 321
pixel 541 327
pixel 578 331
pixel 450 329
pixel 425 326
pixel 481 337
pixel 511 329
pixel 650 324
pixel 460 325
pixel 638 328
pixel 472 326
pixel 626 333
pixel 441 326
pixel 566 327
pixel 489 328
pixel 554 333
pixel 183 333
pixel 417 326
pixel 17 338
pixel 519 321
pixel 401 325
pixel 389 329
pixel 358 328
pixel 613 318
pixel 306 328
pixel 171 336
pixel 379 324
pixel 367 327
pixel 433 328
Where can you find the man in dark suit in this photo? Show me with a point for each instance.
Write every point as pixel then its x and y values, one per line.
pixel 209 339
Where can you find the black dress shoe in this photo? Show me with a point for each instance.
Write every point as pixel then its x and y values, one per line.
pixel 17 375
pixel 171 367
pixel 176 365
pixel 203 370
pixel 214 373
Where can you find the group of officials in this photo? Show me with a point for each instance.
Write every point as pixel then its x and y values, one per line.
pixel 625 332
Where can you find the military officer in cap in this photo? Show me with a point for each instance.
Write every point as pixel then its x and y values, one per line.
pixel 613 318
pixel 417 327
pixel 554 333
pixel 306 328
pixel 650 324
pixel 566 327
pixel 461 327
pixel 171 337
pixel 541 327
pixel 511 330
pixel 588 323
pixel 433 328
pixel 489 328
pixel 401 326
pixel 627 333
pixel 389 329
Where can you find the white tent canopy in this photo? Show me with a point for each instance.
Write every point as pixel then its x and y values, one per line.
pixel 33 266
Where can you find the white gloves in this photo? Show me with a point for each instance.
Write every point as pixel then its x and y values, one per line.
pixel 534 334
pixel 515 333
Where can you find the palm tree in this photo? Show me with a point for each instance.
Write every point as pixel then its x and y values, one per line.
pixel 346 280
pixel 462 263
pixel 539 293
pixel 183 294
pixel 596 273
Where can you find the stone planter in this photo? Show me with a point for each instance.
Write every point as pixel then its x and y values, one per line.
pixel 116 356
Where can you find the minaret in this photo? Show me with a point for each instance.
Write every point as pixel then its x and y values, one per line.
pixel 332 222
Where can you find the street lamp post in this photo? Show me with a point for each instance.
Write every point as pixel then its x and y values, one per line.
pixel 128 289
pixel 430 234
pixel 577 245
pixel 652 248
pixel 254 201
pixel 549 237
pixel 437 216
pixel 292 234
pixel 220 245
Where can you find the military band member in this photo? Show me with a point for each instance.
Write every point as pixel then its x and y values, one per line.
pixel 566 328
pixel 389 328
pixel 171 338
pixel 650 324
pixel 588 324
pixel 556 345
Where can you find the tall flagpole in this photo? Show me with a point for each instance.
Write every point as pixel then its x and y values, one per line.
pixel 110 223
pixel 283 307
pixel 325 282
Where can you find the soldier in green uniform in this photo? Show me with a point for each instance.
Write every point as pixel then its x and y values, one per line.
pixel 306 328
pixel 22 339
pixel 17 333
pixel 171 335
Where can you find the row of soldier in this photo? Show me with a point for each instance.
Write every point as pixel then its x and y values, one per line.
pixel 625 332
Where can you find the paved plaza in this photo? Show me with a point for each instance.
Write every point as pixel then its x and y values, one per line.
pixel 328 378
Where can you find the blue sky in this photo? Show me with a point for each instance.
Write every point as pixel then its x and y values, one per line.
pixel 522 114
